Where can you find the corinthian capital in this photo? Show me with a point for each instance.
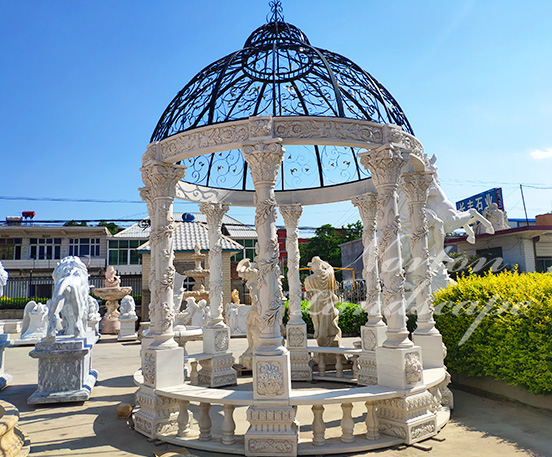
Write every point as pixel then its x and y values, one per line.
pixel 385 164
pixel 161 179
pixel 214 213
pixel 291 215
pixel 416 185
pixel 367 205
pixel 264 160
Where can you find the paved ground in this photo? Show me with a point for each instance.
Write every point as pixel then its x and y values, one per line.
pixel 479 426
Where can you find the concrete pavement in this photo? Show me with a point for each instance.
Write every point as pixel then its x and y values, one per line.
pixel 479 426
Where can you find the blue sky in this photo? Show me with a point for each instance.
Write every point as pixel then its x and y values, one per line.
pixel 83 84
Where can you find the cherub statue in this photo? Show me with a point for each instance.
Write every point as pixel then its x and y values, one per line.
pixel 111 278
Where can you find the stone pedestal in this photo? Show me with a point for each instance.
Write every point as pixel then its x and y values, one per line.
pixel 127 331
pixel 160 368
pixel 296 341
pixel 408 417
pixel 399 368
pixel 5 378
pixel 110 324
pixel 273 430
pixel 432 349
pixel 64 370
pixel 372 336
pixel 217 371
pixel 13 441
pixel 94 325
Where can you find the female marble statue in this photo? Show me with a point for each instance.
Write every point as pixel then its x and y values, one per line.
pixel 323 311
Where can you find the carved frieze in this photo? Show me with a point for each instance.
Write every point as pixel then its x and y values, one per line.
pixel 413 368
pixel 296 337
pixel 270 379
pixel 148 368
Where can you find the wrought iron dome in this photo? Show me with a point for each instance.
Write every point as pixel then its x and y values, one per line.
pixel 279 73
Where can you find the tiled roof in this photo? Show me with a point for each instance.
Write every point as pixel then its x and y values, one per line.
pixel 188 234
pixel 234 227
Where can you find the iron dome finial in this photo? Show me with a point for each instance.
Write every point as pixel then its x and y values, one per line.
pixel 276 14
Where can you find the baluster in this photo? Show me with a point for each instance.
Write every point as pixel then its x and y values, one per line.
pixel 318 425
pixel 184 418
pixel 194 377
pixel 347 423
pixel 204 422
pixel 321 365
pixel 339 366
pixel 372 421
pixel 228 425
pixel 355 365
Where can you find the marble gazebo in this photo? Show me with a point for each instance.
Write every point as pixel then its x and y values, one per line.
pixel 277 125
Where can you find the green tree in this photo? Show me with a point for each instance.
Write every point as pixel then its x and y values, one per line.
pixel 111 226
pixel 325 244
pixel 74 223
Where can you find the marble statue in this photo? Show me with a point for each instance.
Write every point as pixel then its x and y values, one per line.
pixel 235 297
pixel 323 311
pixel 3 279
pixel 128 308
pixel 93 309
pixel 247 271
pixel 111 278
pixel 70 298
pixel 196 313
pixel 497 217
pixel 232 317
pixel 179 291
pixel 35 322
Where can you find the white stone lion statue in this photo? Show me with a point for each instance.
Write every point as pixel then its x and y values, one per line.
pixel 70 298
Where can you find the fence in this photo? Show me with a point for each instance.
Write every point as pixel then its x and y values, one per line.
pixel 19 290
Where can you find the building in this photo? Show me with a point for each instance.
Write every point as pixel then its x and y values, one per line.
pixel 528 246
pixel 282 236
pixel 188 235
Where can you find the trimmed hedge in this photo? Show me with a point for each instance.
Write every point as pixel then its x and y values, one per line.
pixel 351 317
pixel 510 315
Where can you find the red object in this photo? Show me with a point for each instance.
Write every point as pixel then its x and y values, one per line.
pixel 28 214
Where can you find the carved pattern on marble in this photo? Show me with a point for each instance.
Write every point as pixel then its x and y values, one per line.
pixel 270 379
pixel 270 445
pixel 422 430
pixel 148 368
pixel 264 160
pixel 260 127
pixel 296 337
pixel 221 340
pixel 329 129
pixel 369 341
pixel 413 368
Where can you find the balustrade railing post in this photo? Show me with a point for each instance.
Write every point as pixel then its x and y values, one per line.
pixel 184 418
pixel 347 423
pixel 321 365
pixel 204 422
pixel 318 425
pixel 372 421
pixel 228 425
pixel 339 365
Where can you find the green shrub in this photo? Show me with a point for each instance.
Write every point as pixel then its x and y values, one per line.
pixel 351 317
pixel 19 302
pixel 510 315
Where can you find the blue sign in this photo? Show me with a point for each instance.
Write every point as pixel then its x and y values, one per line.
pixel 482 200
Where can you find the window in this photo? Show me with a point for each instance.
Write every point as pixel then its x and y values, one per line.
pixel 543 264
pixel 10 249
pixel 45 248
pixel 124 252
pixel 84 247
pixel 248 252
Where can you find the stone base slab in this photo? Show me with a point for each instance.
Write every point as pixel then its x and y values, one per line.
pixel 273 431
pixel 301 369
pixel 372 336
pixel 399 368
pixel 367 369
pixel 163 367
pixel 432 349
pixel 410 431
pixel 156 415
pixel 216 340
pixel 67 396
pixel 127 330
pixel 110 326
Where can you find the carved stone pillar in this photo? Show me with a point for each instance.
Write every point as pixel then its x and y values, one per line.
pixel 162 360
pixel 216 371
pixel 416 185
pixel 296 329
pixel 271 362
pixel 398 353
pixel 373 333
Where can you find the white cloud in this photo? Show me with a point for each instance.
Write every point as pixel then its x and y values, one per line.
pixel 539 154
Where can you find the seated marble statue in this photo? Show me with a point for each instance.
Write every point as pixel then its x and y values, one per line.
pixel 111 278
pixel 35 321
pixel 128 308
pixel 323 311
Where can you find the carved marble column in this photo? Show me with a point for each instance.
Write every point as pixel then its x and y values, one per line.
pixel 216 371
pixel 416 185
pixel 398 353
pixel 162 360
pixel 296 329
pixel 271 361
pixel 373 333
